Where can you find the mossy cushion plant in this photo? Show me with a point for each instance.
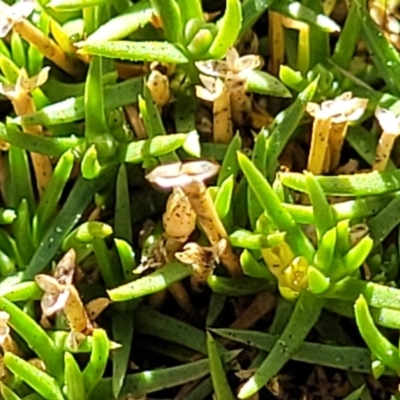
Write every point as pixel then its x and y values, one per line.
pixel 199 201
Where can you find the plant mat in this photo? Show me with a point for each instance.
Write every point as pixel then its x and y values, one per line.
pixel 199 199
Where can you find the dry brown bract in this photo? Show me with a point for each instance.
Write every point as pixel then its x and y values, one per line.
pixel 190 178
pixel 203 261
pixel 60 295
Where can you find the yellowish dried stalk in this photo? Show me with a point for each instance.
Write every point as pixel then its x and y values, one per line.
pixel 391 130
pixel 23 104
pixel 303 54
pixel 48 48
pixel 214 90
pixel 336 139
pixel 319 139
pixel 237 69
pixel 276 42
pixel 222 127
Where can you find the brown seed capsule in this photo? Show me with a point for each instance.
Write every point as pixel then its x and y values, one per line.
pixel 179 219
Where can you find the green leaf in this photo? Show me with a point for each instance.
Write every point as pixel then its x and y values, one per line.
pixel 159 379
pixel 228 30
pixel 135 51
pixel 382 349
pixel 73 379
pixel 38 380
pixel 271 204
pixel 264 83
pixel 305 315
pixel 152 283
pixel 384 55
pixel 170 14
pixel 218 376
pixel 121 26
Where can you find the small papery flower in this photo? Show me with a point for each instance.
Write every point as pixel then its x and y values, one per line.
pixel 15 13
pixel 202 259
pixel 24 85
pixel 390 124
pixel 233 67
pixel 55 294
pixel 182 174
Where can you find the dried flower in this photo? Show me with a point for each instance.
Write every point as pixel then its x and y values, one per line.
pixel 23 104
pixel 190 177
pixel 390 124
pixel 234 71
pixel 331 120
pixel 60 295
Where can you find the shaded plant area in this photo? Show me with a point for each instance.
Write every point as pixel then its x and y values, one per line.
pixel 199 200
